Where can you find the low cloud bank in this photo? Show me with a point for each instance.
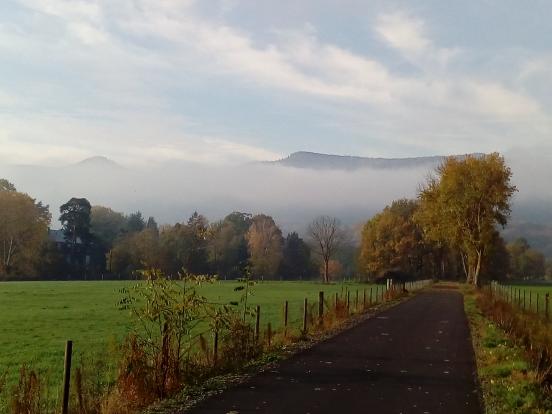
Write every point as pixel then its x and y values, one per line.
pixel 172 191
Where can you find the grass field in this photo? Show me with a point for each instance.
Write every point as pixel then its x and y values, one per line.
pixel 530 297
pixel 36 318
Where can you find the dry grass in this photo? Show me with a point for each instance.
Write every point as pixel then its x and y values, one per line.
pixel 27 395
pixel 530 330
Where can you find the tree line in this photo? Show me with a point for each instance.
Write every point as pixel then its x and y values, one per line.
pixel 98 242
pixel 452 229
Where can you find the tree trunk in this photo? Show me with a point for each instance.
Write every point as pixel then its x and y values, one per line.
pixel 477 270
pixel 326 270
pixel 10 254
pixel 465 267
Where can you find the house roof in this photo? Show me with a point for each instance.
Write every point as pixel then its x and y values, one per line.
pixel 58 236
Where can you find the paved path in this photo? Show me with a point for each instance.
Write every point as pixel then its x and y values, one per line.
pixel 414 358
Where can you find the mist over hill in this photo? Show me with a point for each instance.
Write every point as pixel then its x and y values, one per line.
pixel 293 190
pixel 98 162
pixel 313 160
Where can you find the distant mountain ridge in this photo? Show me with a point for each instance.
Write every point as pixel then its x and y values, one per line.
pixel 317 161
pixel 98 161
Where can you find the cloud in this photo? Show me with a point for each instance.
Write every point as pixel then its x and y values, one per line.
pixel 155 138
pixel 300 62
pixel 66 9
pixel 404 33
pixel 172 191
pixel 88 34
pixel 120 69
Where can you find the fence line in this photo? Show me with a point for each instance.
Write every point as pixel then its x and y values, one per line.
pixel 386 293
pixel 517 297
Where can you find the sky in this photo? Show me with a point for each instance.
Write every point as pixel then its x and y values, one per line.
pixel 226 81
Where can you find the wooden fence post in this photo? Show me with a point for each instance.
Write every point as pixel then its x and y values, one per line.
pixel 530 300
pixel 320 307
pixel 286 315
pixel 305 311
pixel 67 376
pixel 371 296
pixel 269 334
pixel 336 302
pixel 524 299
pixel 258 322
pixel 356 301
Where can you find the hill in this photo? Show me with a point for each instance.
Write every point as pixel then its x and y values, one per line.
pixel 317 161
pixel 293 190
pixel 97 162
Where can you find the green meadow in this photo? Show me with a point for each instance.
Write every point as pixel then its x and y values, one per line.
pixel 530 297
pixel 36 318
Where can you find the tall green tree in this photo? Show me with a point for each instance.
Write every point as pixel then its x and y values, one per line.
pixel 135 222
pixel 184 246
pixel 462 205
pixel 525 262
pixel 496 263
pixel 135 251
pixel 75 220
pixel 227 245
pixel 106 225
pixel 296 260
pixel 152 224
pixel 196 261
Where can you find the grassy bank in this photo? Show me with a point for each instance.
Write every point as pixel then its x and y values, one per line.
pixel 509 382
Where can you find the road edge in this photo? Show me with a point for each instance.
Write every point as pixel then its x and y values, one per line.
pixel 191 396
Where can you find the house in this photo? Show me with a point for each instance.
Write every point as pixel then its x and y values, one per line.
pixel 73 253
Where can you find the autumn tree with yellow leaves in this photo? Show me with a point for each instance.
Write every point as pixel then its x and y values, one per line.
pixel 463 204
pixel 265 244
pixel 391 240
pixel 23 232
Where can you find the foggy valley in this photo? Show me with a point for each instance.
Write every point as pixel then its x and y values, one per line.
pixel 293 190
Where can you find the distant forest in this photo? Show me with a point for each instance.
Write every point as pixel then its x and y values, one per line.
pixel 414 238
pixel 95 242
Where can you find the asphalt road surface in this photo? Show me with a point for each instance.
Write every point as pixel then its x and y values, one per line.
pixel 416 357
